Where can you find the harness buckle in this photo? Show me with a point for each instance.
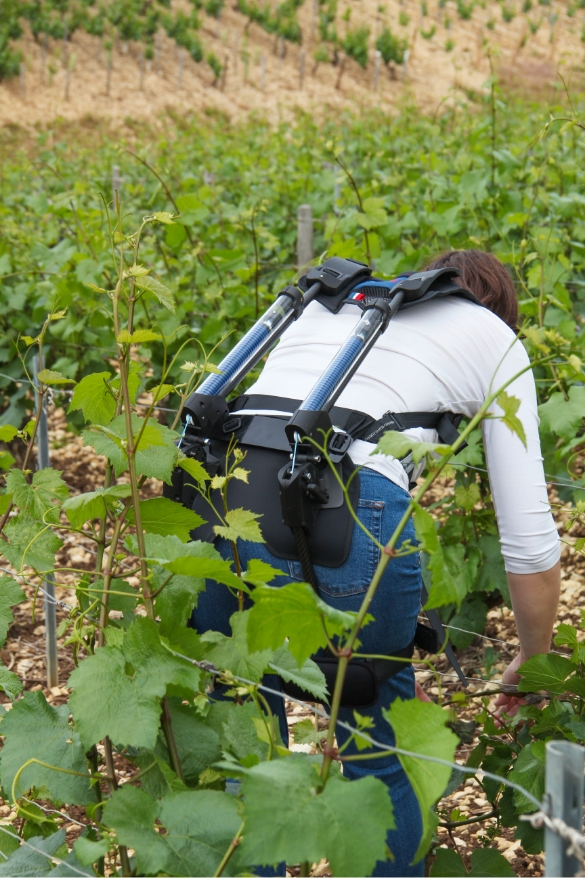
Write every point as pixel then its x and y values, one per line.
pixel 339 443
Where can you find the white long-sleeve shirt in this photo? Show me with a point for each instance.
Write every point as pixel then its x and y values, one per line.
pixel 443 355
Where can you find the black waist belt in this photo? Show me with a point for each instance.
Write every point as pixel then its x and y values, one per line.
pixel 363 676
pixel 358 424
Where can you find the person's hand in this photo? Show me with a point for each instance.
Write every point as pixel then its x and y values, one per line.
pixel 420 692
pixel 505 703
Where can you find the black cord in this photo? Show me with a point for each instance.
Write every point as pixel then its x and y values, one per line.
pixel 305 556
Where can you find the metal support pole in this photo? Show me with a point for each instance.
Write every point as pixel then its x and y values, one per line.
pixel 565 763
pixel 304 235
pixel 49 583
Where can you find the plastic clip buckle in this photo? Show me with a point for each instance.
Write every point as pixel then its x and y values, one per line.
pixel 339 443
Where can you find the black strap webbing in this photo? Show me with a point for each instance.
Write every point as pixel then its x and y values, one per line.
pixel 358 424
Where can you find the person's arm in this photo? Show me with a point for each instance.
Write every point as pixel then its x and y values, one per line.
pixel 535 597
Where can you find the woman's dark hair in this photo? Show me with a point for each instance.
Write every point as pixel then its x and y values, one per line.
pixel 484 276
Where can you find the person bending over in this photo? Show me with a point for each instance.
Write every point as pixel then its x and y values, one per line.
pixel 444 355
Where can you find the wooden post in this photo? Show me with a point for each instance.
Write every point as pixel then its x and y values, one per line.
pixel 64 51
pixel 22 81
pixel 236 49
pixel 262 72
pixel 43 58
pixel 157 52
pixel 108 71
pixel 67 81
pixel 180 73
pixel 304 235
pixel 301 69
pixel 377 60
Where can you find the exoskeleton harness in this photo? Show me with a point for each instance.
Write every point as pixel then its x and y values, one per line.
pixel 292 485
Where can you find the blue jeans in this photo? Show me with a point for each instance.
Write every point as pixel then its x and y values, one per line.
pixel 395 609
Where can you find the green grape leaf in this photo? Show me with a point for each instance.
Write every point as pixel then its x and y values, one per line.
pixel 7 433
pixel 34 729
pixel 10 683
pixel 177 599
pixel 467 497
pixel 490 863
pixel 567 636
pixel 444 588
pixel 47 490
pixel 161 390
pixel 492 572
pixel 30 543
pixel 420 727
pixel 509 406
pixel 545 672
pixel 139 336
pixel 94 504
pixel 197 744
pixel 200 824
pixel 347 822
pixel 162 293
pixel 136 271
pixel 47 376
pixel 88 851
pixel 8 842
pixel 196 470
pixel 10 595
pixel 309 677
pixel 561 416
pixel 163 216
pixel 260 573
pixel 94 399
pixel 395 444
pixel 156 454
pixel 305 732
pixel 528 772
pixel 158 778
pixel 163 516
pixel 233 654
pixel 241 525
pixel 206 568
pixel 131 813
pixel 373 214
pixel 31 863
pixel 117 692
pixel 448 864
pixel 237 730
pixel 293 611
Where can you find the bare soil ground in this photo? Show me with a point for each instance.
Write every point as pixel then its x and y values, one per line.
pixel 451 63
pixel 24 652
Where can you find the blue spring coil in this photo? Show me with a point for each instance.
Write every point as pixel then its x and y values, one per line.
pixel 327 383
pixel 236 358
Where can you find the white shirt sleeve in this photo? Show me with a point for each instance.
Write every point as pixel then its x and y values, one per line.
pixel 528 534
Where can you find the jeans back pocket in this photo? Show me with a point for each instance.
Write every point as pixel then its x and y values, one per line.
pixel 355 575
